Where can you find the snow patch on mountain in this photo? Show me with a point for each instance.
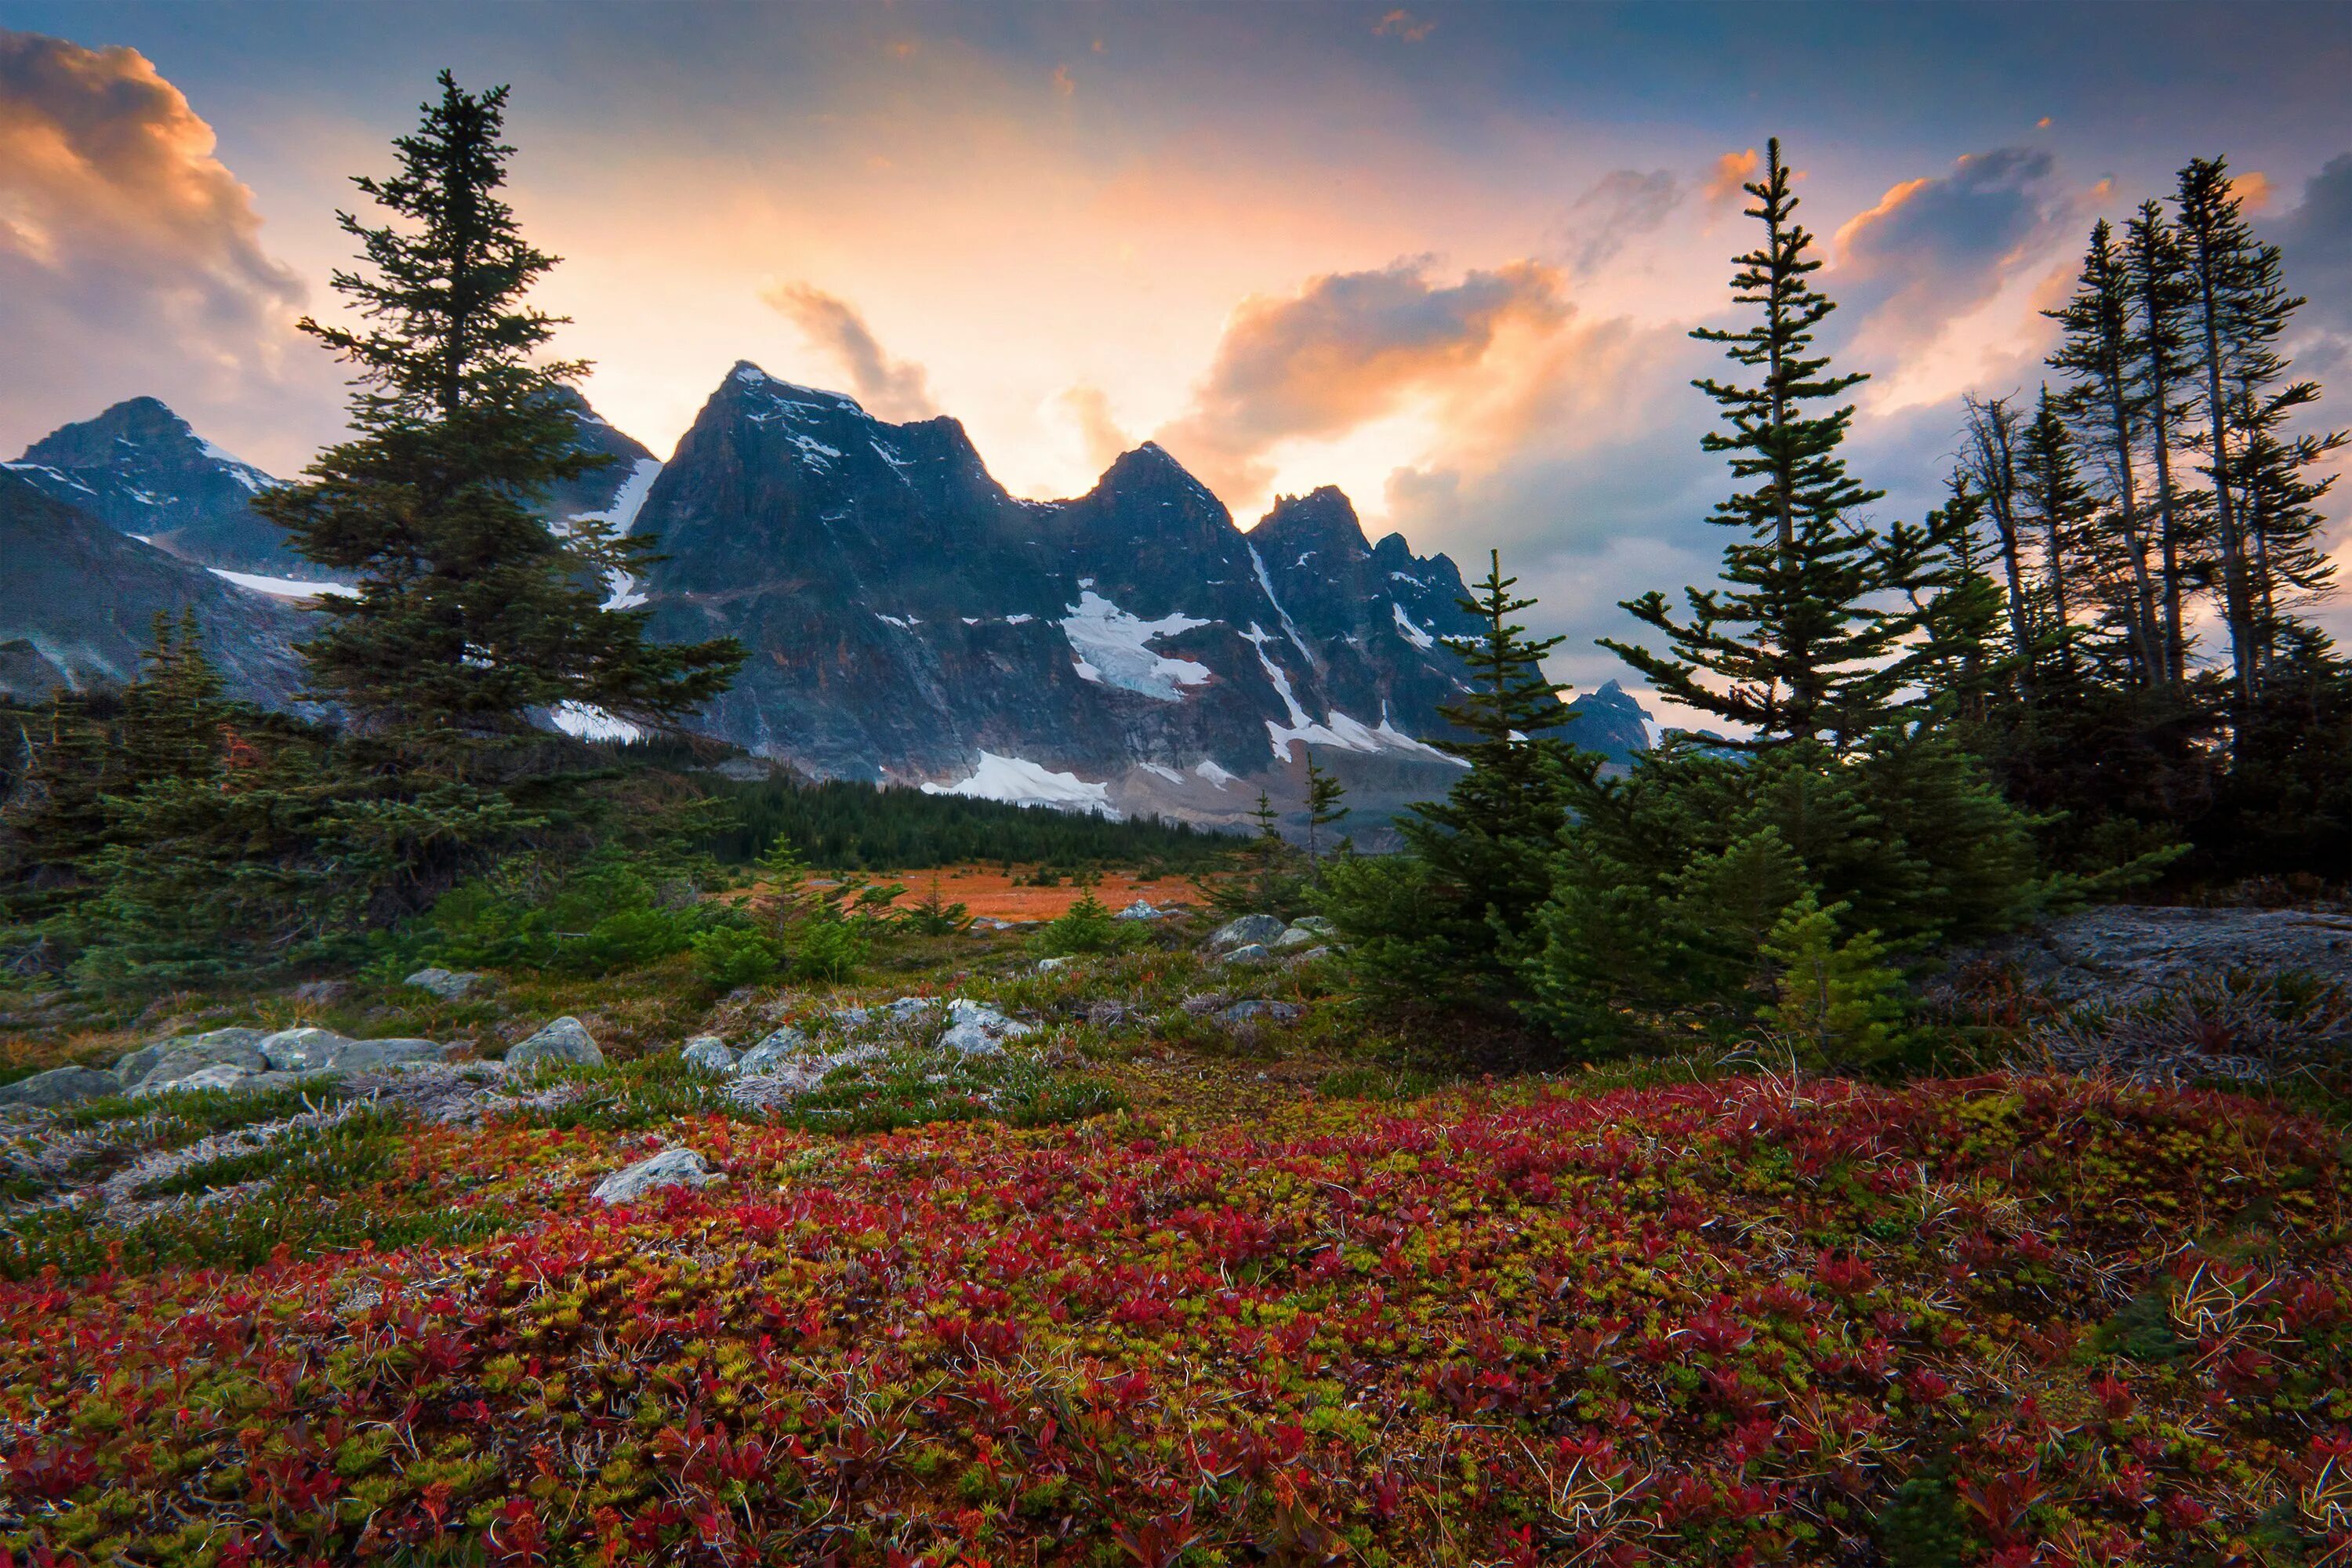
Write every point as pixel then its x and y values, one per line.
pixel 1113 648
pixel 590 722
pixel 1213 773
pixel 1019 782
pixel 1265 581
pixel 281 587
pixel 619 518
pixel 1410 633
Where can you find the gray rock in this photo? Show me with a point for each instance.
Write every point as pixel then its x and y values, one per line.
pixel 59 1086
pixel 1310 955
pixel 293 1050
pixel 131 1069
pixel 1047 965
pixel 707 1052
pixel 1315 923
pixel 450 985
pixel 1257 1011
pixel 216 1075
pixel 976 1029
pixel 2117 955
pixel 135 1067
pixel 1141 909
pixel 370 1056
pixel 564 1040
pixel 1248 953
pixel 783 1045
pixel 670 1168
pixel 205 1052
pixel 1297 937
pixel 1250 929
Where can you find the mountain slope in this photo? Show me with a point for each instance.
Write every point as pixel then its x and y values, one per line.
pixel 1131 647
pixel 78 601
pixel 140 469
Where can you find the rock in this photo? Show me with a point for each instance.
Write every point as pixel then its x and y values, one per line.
pixel 131 1069
pixel 218 1075
pixel 707 1052
pixel 1255 1010
pixel 1249 954
pixel 2117 955
pixel 785 1045
pixel 1141 909
pixel 135 1067
pixel 1310 955
pixel 564 1040
pixel 204 1052
pixel 1047 965
pixel 1204 1003
pixel 293 1050
pixel 670 1168
pixel 450 985
pixel 1248 930
pixel 1295 938
pixel 368 1056
pixel 59 1086
pixel 1315 923
pixel 322 992
pixel 976 1029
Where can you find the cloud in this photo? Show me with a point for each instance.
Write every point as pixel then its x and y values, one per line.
pixel 1935 249
pixel 890 389
pixel 1623 206
pixel 2315 240
pixel 130 258
pixel 1731 172
pixel 1348 348
pixel 1090 407
pixel 1403 24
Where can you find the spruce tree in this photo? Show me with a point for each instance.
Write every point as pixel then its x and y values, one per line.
pixel 2104 406
pixel 1798 642
pixel 472 617
pixel 1324 808
pixel 2161 365
pixel 1991 466
pixel 2054 488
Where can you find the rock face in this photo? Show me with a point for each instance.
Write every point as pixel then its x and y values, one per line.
pixel 450 985
pixel 1246 930
pixel 2117 953
pixel 1607 720
pixel 707 1052
pixel 78 600
pixel 59 1086
pixel 1131 649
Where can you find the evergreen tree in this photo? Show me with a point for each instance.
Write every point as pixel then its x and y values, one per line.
pixel 2161 365
pixel 2052 486
pixel 2104 406
pixel 472 616
pixel 1324 808
pixel 1798 641
pixel 1991 469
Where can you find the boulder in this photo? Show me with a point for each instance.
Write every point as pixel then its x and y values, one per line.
pixel 564 1040
pixel 205 1052
pixel 778 1049
pixel 670 1168
pixel 217 1075
pixel 450 985
pixel 1248 930
pixel 59 1086
pixel 1047 965
pixel 1250 952
pixel 295 1050
pixel 135 1067
pixel 976 1029
pixel 1141 909
pixel 1257 1011
pixel 707 1052
pixel 367 1056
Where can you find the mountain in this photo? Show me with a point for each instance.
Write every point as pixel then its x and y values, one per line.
pixel 78 602
pixel 1607 720
pixel 1130 648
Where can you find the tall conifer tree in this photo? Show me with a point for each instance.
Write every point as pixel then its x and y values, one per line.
pixel 472 617
pixel 2162 364
pixel 1797 645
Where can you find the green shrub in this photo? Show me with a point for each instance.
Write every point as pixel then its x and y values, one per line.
pixel 1086 926
pixel 728 956
pixel 830 949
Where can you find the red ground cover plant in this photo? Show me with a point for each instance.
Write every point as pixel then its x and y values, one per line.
pixel 2004 1321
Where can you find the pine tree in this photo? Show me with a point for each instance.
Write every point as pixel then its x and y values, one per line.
pixel 2052 486
pixel 1325 796
pixel 472 616
pixel 2104 405
pixel 1991 466
pixel 1798 641
pixel 2161 366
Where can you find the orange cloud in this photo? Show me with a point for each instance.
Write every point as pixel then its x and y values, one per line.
pixel 890 389
pixel 1403 23
pixel 1104 439
pixel 1732 170
pixel 120 231
pixel 1348 348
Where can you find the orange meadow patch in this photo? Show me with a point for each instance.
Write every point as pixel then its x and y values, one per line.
pixel 988 893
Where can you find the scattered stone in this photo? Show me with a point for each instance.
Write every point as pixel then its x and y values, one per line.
pixel 564 1040
pixel 1250 952
pixel 777 1049
pixel 1047 965
pixel 205 1052
pixel 1141 909
pixel 975 1029
pixel 670 1168
pixel 293 1050
pixel 786 1081
pixel 1248 930
pixel 134 1067
pixel 217 1075
pixel 1311 954
pixel 707 1052
pixel 1297 937
pixel 450 985
pixel 1255 1010
pixel 370 1056
pixel 59 1086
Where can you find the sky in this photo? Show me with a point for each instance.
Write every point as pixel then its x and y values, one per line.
pixel 1444 257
